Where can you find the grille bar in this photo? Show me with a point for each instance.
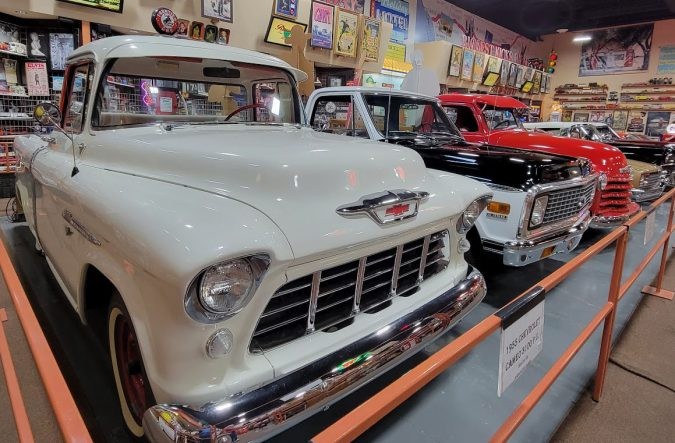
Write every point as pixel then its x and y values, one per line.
pixel 567 203
pixel 330 298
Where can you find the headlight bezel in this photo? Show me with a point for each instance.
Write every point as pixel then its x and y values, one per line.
pixel 466 221
pixel 541 208
pixel 194 304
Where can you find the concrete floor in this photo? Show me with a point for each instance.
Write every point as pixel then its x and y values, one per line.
pixel 460 405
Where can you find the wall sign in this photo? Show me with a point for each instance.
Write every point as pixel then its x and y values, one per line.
pixel 617 50
pixel 522 337
pixel 322 25
pixel 396 12
pixel 37 81
pixel 666 60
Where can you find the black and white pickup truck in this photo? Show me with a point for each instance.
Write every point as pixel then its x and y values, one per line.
pixel 541 203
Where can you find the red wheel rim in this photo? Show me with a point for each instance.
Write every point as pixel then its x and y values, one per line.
pixel 130 367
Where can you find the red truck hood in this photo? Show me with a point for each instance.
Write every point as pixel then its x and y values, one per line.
pixel 605 158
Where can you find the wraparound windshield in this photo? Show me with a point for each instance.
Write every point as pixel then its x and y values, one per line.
pixel 148 90
pixel 401 116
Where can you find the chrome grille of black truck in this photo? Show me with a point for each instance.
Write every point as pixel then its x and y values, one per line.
pixel 330 298
pixel 568 202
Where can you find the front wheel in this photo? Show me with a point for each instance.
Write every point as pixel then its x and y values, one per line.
pixel 133 387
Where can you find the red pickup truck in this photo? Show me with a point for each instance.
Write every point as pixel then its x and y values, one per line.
pixel 494 119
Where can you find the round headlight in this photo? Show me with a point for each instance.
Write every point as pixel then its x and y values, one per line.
pixel 471 214
pixel 225 287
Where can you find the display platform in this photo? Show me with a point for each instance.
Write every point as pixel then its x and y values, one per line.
pixel 460 405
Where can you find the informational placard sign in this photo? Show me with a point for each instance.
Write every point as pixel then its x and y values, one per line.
pixel 650 226
pixel 522 337
pixel 37 81
pixel 666 60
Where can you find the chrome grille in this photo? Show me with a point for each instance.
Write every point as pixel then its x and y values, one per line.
pixel 565 203
pixel 651 181
pixel 329 298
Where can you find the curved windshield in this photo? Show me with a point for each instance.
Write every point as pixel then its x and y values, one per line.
pixel 405 117
pixel 604 132
pixel 502 118
pixel 149 90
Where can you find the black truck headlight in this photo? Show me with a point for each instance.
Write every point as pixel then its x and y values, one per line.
pixel 538 211
pixel 468 218
pixel 224 289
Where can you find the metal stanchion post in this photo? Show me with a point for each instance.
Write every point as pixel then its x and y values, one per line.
pixel 657 290
pixel 613 298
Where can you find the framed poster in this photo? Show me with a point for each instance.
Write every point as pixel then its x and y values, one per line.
pixel 513 75
pixel 521 77
pixel 223 36
pixel 280 29
pixel 657 123
pixel 322 25
pixel 467 64
pixel 370 43
pixel 105 5
pixel 346 31
pixel 504 75
pixel 218 9
pixel 580 117
pixel 287 8
pixel 60 47
pixel 357 6
pixel 536 82
pixel 37 81
pixel 493 64
pixel 620 120
pixel 455 66
pixel 478 65
pixel 38 44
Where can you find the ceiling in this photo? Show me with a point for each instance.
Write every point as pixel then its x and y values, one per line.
pixel 533 18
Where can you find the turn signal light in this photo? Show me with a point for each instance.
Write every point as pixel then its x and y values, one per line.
pixel 499 208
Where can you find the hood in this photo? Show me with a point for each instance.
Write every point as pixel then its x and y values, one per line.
pixel 296 177
pixel 513 168
pixel 605 158
pixel 640 168
pixel 655 152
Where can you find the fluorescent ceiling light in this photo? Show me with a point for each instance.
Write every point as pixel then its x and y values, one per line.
pixel 582 38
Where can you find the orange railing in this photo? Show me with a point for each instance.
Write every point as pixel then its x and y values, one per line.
pixel 67 415
pixel 375 408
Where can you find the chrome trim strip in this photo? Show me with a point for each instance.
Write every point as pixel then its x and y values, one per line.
pixel 313 300
pixel 260 414
pixel 368 204
pixel 397 268
pixel 423 261
pixel 359 285
pixel 79 227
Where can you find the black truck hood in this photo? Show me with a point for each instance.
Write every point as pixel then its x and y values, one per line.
pixel 492 165
pixel 644 151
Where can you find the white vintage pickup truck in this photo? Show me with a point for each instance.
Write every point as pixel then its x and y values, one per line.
pixel 245 270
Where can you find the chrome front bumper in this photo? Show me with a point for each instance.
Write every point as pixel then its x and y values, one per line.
pixel 646 195
pixel 266 411
pixel 521 253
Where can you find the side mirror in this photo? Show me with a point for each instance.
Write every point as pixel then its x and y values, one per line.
pixel 47 114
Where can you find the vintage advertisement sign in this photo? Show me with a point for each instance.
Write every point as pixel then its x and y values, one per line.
pixel 396 12
pixel 522 337
pixel 371 40
pixel 395 52
pixel 322 25
pixel 37 81
pixel 346 30
pixel 617 50
pixel 666 60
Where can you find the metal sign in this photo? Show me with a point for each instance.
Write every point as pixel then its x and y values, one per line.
pixel 522 337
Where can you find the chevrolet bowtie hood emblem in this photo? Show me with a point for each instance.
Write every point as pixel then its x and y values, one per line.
pixel 387 206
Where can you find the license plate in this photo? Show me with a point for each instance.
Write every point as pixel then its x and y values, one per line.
pixel 548 251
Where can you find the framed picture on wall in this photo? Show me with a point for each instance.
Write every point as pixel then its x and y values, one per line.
pixel 513 75
pixel 346 33
pixel 279 30
pixel 321 23
pixel 504 74
pixel 218 9
pixel 60 47
pixel 287 8
pixel 455 65
pixel 38 44
pixel 493 64
pixel 197 31
pixel 478 66
pixel 536 82
pixel 183 28
pixel 370 43
pixel 467 64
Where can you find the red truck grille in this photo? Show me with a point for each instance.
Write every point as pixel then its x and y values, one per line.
pixel 616 195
